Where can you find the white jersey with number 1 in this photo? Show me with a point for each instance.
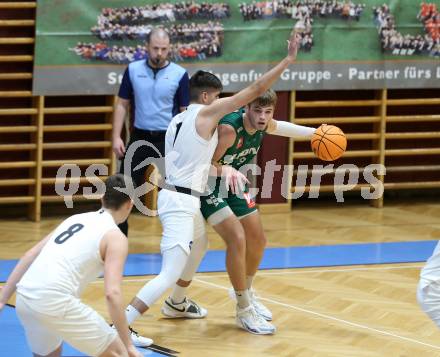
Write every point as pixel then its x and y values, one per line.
pixel 187 155
pixel 187 160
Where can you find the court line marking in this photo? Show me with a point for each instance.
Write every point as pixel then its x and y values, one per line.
pixel 262 272
pixel 408 339
pixel 310 311
pixel 284 272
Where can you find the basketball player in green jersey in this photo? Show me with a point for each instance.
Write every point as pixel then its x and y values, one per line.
pixel 233 214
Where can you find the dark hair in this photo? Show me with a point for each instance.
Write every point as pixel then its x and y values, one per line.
pixel 116 191
pixel 202 81
pixel 268 98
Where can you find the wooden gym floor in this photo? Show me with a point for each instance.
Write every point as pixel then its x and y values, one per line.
pixel 351 311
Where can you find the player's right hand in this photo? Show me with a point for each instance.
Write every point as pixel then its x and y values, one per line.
pixel 118 147
pixel 235 180
pixel 133 352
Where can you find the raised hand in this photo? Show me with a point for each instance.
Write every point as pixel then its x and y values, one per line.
pixel 293 45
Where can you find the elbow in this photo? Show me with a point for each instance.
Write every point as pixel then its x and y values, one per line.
pixel 122 108
pixel 113 295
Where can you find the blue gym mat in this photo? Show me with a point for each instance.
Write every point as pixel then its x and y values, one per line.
pixel 289 257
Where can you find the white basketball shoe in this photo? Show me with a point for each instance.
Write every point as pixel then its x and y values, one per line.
pixel 259 307
pixel 187 308
pixel 138 341
pixel 249 320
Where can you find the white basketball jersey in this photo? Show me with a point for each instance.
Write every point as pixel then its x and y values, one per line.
pixel 70 259
pixel 431 271
pixel 187 155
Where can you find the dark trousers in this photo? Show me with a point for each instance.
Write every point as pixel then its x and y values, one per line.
pixel 155 138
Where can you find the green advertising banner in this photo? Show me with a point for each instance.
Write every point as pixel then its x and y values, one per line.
pixel 83 46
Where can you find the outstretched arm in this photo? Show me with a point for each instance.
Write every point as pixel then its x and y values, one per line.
pixel 290 130
pixel 209 116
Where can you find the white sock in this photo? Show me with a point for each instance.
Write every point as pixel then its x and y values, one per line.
pixel 242 298
pixel 132 314
pixel 249 280
pixel 178 294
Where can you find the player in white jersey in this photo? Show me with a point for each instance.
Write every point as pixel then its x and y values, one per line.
pixel 234 215
pixel 51 276
pixel 190 143
pixel 428 290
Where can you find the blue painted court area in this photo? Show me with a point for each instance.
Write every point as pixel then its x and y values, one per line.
pixel 13 340
pixel 290 257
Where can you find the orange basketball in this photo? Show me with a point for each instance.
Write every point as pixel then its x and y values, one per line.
pixel 329 142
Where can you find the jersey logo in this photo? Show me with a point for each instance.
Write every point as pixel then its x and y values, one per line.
pixel 249 201
pixel 240 143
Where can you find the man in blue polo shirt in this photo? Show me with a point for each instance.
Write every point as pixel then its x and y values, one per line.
pixel 156 89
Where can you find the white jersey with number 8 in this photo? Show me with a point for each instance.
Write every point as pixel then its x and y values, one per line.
pixel 70 260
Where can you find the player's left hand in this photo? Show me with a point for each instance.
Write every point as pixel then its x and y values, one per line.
pixel 293 45
pixel 133 352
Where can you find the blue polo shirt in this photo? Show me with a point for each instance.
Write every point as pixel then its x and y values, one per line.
pixel 156 95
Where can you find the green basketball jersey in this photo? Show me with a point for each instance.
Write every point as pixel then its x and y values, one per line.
pixel 245 147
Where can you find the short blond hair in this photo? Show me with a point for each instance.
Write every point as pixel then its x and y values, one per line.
pixel 266 99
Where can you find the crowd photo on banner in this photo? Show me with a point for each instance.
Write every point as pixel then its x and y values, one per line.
pixel 400 44
pixel 122 31
pixel 190 41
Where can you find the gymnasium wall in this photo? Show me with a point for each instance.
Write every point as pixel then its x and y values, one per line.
pixel 397 128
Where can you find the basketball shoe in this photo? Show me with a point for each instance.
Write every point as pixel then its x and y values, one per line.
pixel 138 341
pixel 187 308
pixel 251 321
pixel 255 302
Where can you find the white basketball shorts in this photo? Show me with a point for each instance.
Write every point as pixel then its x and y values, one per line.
pixel 181 218
pixel 428 296
pixel 76 323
